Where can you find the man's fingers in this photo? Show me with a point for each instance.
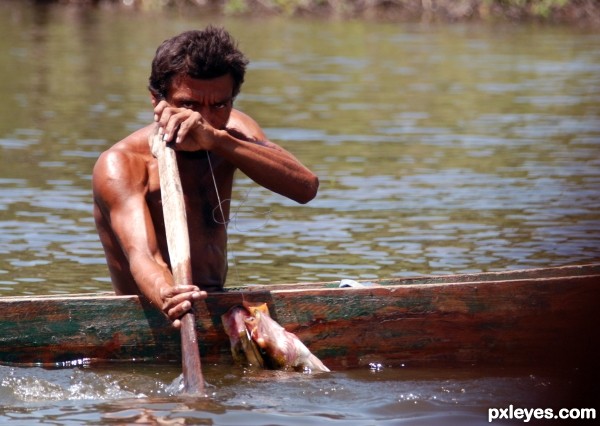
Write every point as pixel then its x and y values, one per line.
pixel 159 109
pixel 175 123
pixel 199 294
pixel 177 304
pixel 186 126
pixel 178 300
pixel 179 310
pixel 172 126
pixel 167 119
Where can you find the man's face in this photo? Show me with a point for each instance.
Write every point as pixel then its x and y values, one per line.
pixel 213 98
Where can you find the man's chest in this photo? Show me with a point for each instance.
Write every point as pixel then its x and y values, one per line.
pixel 206 191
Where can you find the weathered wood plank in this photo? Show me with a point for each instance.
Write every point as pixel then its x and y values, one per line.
pixel 550 321
pixel 58 329
pixel 514 318
pixel 178 243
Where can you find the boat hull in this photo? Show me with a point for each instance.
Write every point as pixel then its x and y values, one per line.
pixel 518 318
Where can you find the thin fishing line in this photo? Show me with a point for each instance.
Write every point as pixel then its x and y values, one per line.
pixel 214 179
pixel 233 217
pixel 236 215
pixel 224 221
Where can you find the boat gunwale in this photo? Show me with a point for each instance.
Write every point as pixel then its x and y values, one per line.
pixel 501 309
pixel 585 271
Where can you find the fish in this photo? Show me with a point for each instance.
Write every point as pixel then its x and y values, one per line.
pixel 243 349
pixel 258 340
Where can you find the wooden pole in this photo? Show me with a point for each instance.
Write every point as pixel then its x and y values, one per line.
pixel 179 252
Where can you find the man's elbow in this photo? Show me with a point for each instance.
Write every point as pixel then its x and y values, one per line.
pixel 310 191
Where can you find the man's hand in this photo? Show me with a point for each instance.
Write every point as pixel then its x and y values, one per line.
pixel 186 127
pixel 178 300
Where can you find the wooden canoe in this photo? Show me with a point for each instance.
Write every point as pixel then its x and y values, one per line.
pixel 539 316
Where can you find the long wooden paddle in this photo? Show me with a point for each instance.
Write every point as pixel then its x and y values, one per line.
pixel 178 243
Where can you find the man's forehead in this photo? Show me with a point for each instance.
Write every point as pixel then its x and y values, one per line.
pixel 218 86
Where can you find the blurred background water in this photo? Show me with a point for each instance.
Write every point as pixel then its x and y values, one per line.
pixel 440 148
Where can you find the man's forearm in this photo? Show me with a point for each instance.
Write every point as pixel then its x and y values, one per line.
pixel 150 277
pixel 270 166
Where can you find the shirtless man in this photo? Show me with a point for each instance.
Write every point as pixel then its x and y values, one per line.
pixel 194 81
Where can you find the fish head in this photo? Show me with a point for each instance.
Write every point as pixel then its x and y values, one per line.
pixel 261 341
pixel 271 338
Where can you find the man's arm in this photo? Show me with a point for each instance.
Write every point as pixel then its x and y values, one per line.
pixel 246 146
pixel 243 144
pixel 119 185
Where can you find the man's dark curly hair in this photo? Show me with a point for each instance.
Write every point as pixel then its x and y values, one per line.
pixel 204 54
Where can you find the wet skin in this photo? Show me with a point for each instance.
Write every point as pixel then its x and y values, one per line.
pixel 199 118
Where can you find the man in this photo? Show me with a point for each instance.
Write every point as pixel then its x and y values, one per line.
pixel 194 80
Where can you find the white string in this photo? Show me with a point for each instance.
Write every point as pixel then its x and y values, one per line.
pixel 220 204
pixel 236 214
pixel 224 221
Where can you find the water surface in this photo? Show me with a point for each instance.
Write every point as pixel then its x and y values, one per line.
pixel 440 149
pixel 374 396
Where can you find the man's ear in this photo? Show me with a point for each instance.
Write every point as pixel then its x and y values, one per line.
pixel 154 100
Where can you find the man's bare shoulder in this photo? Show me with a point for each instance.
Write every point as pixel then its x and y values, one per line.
pixel 133 147
pixel 125 161
pixel 136 143
pixel 243 124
